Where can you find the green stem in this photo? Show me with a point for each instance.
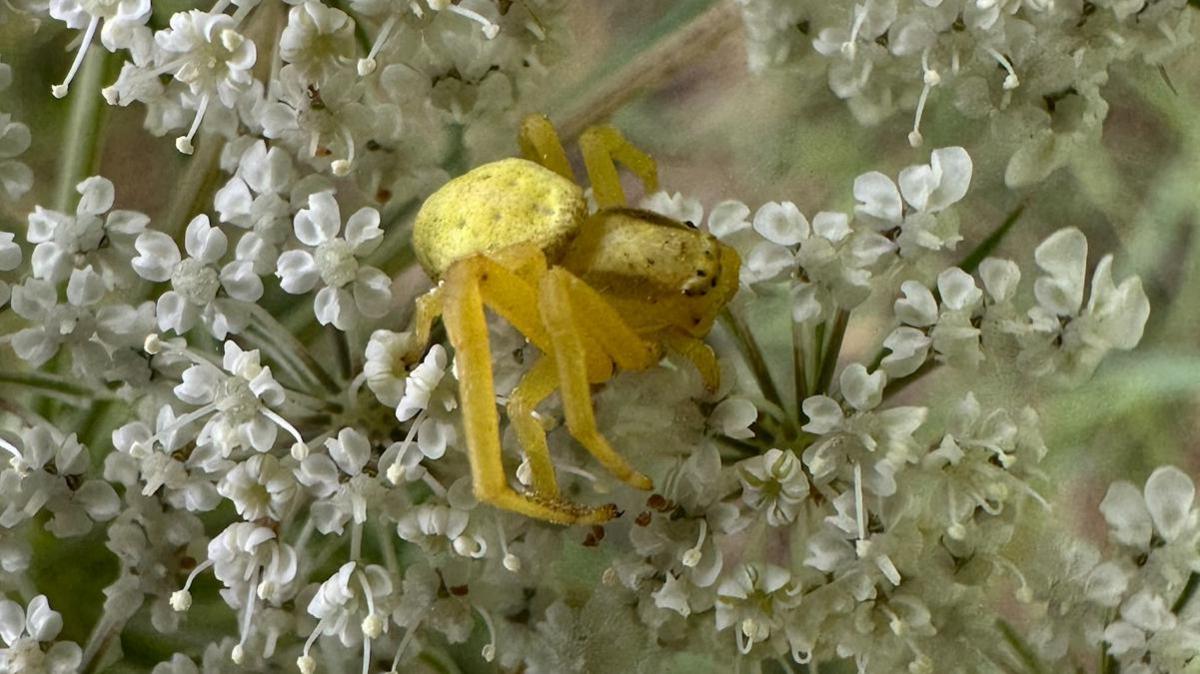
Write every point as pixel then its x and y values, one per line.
pixel 753 354
pixel 1189 590
pixel 800 373
pixel 1024 653
pixel 395 252
pixel 52 385
pixel 830 351
pixel 81 140
pixel 341 346
pixel 292 347
pixel 971 262
pixel 192 193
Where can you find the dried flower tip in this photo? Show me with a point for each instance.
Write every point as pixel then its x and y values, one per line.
pixel 184 145
pixel 340 168
pixel 306 664
pixel 367 66
pixel 238 654
pixel 488 652
pixel 300 452
pixel 512 562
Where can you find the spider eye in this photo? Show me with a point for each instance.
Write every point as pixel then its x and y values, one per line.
pixel 690 224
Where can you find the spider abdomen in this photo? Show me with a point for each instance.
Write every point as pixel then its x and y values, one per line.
pixel 493 207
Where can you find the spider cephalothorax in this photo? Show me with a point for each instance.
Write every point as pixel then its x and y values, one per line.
pixel 591 292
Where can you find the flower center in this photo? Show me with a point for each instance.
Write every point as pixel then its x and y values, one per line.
pixel 195 281
pixel 82 233
pixel 336 261
pixel 237 401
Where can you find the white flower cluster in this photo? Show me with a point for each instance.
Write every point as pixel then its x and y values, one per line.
pixel 861 529
pixel 334 97
pixel 1035 69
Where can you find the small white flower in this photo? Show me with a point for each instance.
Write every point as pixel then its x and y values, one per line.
pixel 347 599
pixel 259 487
pixel 675 206
pixel 774 482
pixel 421 383
pixel 350 450
pixel 196 281
pixel 350 289
pixel 23 631
pixel 64 242
pixel 207 53
pixel 317 38
pixel 239 401
pixel 753 599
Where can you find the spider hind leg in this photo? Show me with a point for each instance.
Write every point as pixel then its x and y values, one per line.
pixel 604 145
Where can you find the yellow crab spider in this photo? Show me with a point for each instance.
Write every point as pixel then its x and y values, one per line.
pixel 591 292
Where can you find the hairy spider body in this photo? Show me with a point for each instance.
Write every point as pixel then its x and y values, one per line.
pixel 591 292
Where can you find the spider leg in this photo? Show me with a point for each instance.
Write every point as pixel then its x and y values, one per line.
pixel 539 143
pixel 429 307
pixel 467 328
pixel 604 145
pixel 506 293
pixel 570 357
pixel 603 323
pixel 537 385
pixel 700 354
pixel 508 282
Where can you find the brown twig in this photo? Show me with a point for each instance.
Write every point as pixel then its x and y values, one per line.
pixel 682 47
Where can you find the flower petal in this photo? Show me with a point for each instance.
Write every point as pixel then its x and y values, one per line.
pixel 1170 494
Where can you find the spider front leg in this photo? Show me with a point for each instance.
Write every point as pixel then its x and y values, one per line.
pixel 468 332
pixel 604 145
pixel 569 355
pixel 701 356
pixel 428 308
